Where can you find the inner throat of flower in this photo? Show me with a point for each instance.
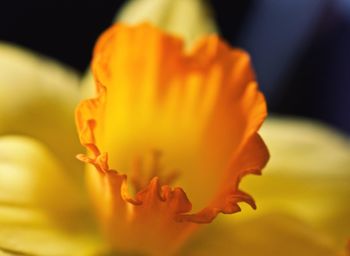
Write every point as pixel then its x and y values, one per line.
pixel 144 169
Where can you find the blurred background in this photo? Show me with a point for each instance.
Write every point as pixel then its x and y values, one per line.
pixel 300 49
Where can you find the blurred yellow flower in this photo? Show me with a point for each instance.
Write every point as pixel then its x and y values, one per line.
pixel 41 185
pixel 302 197
pixel 35 219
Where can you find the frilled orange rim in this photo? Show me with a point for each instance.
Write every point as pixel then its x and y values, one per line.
pixel 202 109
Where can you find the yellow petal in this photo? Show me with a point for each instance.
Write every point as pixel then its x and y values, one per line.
pixel 42 211
pixel 306 147
pixel 308 176
pixel 31 176
pixel 37 99
pixel 188 19
pixel 27 231
pixel 265 235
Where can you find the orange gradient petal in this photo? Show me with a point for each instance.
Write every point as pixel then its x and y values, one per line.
pixel 196 114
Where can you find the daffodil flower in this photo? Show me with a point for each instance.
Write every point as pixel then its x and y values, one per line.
pixel 169 137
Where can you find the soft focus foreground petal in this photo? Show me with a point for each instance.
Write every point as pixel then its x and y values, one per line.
pixel 37 98
pixel 308 176
pixel 199 111
pixel 32 177
pixel 42 212
pixel 25 231
pixel 309 141
pixel 188 19
pixel 266 235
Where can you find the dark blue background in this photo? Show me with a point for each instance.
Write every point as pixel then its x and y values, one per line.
pixel 300 49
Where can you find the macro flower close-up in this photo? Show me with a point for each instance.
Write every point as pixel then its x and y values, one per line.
pixel 164 118
pixel 163 147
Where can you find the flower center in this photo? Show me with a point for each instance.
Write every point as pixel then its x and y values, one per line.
pixel 144 223
pixel 146 168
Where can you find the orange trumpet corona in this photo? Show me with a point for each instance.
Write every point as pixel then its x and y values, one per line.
pixel 169 136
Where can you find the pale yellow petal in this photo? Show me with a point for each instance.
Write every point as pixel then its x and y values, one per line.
pixel 37 99
pixel 263 236
pixel 32 177
pixel 42 210
pixel 189 19
pixel 31 232
pixel 306 147
pixel 308 176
